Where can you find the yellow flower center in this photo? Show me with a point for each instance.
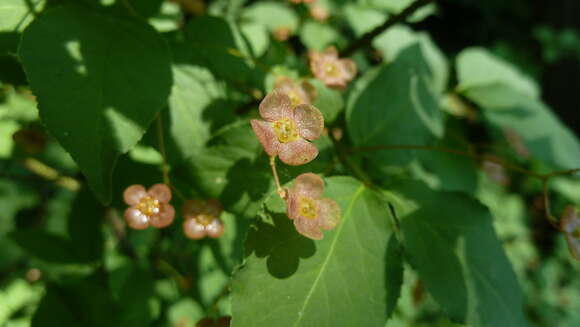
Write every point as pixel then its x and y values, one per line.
pixel 148 206
pixel 295 98
pixel 331 69
pixel 204 219
pixel 307 207
pixel 285 130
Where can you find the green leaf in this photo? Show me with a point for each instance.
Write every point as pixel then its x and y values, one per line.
pixel 318 36
pixel 478 67
pixel 99 81
pixel 349 278
pixel 450 241
pixel 15 15
pixel 83 303
pixel 542 133
pixel 395 104
pixel 329 101
pixel 85 227
pixel 397 38
pixel 271 15
pixel 45 246
pixel 213 39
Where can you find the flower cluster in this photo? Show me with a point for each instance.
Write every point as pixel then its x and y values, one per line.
pixel 570 225
pixel 334 72
pixel 152 208
pixel 202 219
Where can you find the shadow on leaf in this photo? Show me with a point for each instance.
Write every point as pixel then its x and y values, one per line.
pixel 281 244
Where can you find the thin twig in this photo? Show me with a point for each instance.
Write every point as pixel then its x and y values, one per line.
pixel 545 178
pixel 448 150
pixel 279 189
pixel 368 37
pixel 161 143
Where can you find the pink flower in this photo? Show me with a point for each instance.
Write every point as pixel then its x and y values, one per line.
pixel 202 219
pixel 303 93
pixel 334 72
pixel 310 212
pixel 319 13
pixel 570 225
pixel 149 207
pixel 286 130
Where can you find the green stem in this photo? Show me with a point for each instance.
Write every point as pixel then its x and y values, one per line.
pixel 368 37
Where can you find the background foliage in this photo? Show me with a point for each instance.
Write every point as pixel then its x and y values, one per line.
pixel 92 92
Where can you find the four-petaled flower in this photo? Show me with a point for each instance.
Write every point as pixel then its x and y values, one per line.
pixel 299 93
pixel 332 71
pixel 570 225
pixel 286 129
pixel 202 219
pixel 310 212
pixel 148 207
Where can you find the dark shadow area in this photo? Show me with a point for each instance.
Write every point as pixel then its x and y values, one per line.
pixel 247 183
pixel 280 244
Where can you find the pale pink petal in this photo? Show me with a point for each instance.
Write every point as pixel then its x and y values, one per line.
pixel 331 52
pixel 136 219
pixel 297 153
pixel 310 91
pixel 192 208
pixel 292 207
pixel 133 194
pixel 309 185
pixel 573 245
pixel 193 229
pixel 165 216
pixel 161 192
pixel 348 68
pixel 309 121
pixel 276 105
pixel 284 84
pixel 215 229
pixel 213 208
pixel 569 220
pixel 266 136
pixel 328 213
pixel 308 228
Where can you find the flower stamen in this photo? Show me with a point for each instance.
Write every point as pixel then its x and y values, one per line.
pixel 285 130
pixel 148 206
pixel 307 207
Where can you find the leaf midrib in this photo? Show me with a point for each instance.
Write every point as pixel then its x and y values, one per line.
pixel 357 194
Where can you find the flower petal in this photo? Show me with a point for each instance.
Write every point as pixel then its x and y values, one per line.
pixel 297 153
pixel 330 52
pixel 136 219
pixel 276 105
pixel 165 216
pixel 193 229
pixel 192 208
pixel 308 228
pixel 215 229
pixel 310 185
pixel 133 194
pixel 266 136
pixel 573 245
pixel 348 68
pixel 310 91
pixel 569 220
pixel 213 208
pixel 309 120
pixel 328 213
pixel 161 192
pixel 292 205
